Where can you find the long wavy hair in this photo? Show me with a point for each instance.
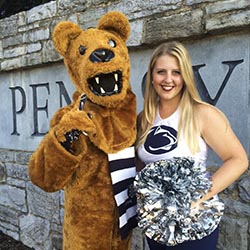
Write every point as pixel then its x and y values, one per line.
pixel 188 126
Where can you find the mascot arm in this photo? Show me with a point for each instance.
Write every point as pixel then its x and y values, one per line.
pixel 51 165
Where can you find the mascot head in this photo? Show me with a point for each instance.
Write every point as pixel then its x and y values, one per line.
pixel 97 59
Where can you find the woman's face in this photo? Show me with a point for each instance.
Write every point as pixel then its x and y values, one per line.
pixel 167 79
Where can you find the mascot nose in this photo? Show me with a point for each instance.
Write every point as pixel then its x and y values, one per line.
pixel 101 55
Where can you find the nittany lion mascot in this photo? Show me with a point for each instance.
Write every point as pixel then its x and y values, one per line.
pixel 88 150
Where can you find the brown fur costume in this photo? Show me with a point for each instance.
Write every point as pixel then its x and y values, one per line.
pixel 107 125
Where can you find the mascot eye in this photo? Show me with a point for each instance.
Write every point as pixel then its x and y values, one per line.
pixel 112 43
pixel 82 50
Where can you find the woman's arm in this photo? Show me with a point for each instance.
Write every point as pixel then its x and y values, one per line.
pixel 216 131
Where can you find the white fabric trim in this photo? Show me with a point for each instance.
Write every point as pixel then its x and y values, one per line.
pixel 123 174
pixel 123 154
pixel 129 214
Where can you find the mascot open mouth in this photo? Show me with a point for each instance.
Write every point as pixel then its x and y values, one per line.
pixel 106 84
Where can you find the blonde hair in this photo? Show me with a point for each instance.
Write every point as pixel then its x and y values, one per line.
pixel 188 125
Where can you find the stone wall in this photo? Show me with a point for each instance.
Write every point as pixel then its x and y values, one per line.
pixel 34 83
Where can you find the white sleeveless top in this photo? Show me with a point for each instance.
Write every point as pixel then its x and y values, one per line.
pixel 161 142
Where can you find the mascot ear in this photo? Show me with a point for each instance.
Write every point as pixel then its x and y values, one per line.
pixel 63 33
pixel 117 22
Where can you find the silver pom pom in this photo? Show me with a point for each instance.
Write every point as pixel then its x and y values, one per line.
pixel 165 190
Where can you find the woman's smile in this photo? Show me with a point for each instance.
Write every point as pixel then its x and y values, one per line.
pixel 167 88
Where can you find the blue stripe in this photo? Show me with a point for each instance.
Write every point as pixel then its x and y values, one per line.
pixel 122 185
pixel 121 164
pixel 122 171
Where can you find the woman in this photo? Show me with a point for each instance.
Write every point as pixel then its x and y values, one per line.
pixel 187 127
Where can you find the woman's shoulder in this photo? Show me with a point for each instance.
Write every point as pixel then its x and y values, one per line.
pixel 205 110
pixel 210 116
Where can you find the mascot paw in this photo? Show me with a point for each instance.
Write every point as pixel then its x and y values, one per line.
pixel 72 125
pixel 70 138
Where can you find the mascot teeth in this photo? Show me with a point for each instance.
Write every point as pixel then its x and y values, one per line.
pixel 102 90
pixel 106 84
pixel 97 80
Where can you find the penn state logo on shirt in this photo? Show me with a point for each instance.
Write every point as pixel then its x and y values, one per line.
pixel 160 140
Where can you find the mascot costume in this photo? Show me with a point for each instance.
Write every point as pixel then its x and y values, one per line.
pixel 88 150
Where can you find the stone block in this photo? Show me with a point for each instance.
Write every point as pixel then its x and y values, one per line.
pixel 8 26
pixel 56 228
pixel 244 188
pixel 10 228
pixel 236 208
pixel 9 217
pixel 69 6
pixel 17 171
pixel 30 27
pixel 225 6
pixel 40 12
pixel 88 19
pixel 21 19
pixel 61 192
pixel 7 156
pixel 1 50
pixel 11 53
pixel 31 59
pixel 37 35
pixel 22 157
pixel 13 234
pixel 3 174
pixel 48 53
pixel 184 24
pixel 16 183
pixel 13 197
pixel 45 205
pixel 191 2
pixel 141 8
pixel 97 3
pixel 35 232
pixel 34 47
pixel 12 63
pixel 12 41
pixel 56 241
pixel 61 215
pixel 229 20
pixel 136 33
pixel 73 18
pixel 233 234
